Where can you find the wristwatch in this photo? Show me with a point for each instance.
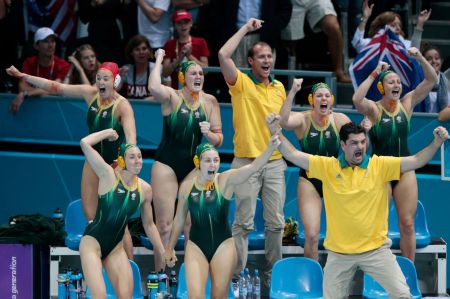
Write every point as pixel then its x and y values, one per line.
pixel 363 20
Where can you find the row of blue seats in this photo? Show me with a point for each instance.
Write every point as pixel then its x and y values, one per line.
pixel 304 281
pixel 75 224
pixel 306 276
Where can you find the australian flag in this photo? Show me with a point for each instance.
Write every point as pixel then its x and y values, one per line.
pixel 385 46
pixel 56 14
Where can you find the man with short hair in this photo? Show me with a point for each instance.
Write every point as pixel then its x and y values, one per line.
pixel 356 201
pixel 45 64
pixel 253 96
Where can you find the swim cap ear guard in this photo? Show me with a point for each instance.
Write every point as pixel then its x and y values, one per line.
pixel 314 88
pixel 380 87
pixel 381 78
pixel 117 81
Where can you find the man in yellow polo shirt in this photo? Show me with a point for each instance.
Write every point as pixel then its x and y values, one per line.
pixel 253 96
pixel 356 202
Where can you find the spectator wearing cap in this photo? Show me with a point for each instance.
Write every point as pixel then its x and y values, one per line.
pixel 183 47
pixel 154 21
pixel 45 65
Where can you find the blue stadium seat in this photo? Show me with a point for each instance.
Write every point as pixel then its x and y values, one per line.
pixel 256 238
pixel 137 287
pixel 74 224
pixel 374 290
pixel 300 239
pixel 423 236
pixel 296 277
pixel 182 292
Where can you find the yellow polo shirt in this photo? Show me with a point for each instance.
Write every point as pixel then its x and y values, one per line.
pixel 252 101
pixel 356 200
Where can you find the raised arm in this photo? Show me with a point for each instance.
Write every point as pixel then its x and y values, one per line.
pixel 76 65
pixel 357 41
pixel 178 223
pixel 226 63
pixel 292 120
pixel 102 169
pixel 233 177
pixel 425 155
pixel 54 87
pixel 147 220
pixel 416 38
pixel 159 91
pixel 363 105
pixel 417 95
pixel 289 152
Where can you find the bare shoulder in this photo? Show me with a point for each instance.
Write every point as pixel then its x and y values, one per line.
pixel 209 99
pixel 340 118
pixel 145 186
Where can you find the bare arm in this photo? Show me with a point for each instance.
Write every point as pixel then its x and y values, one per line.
pixel 238 176
pixel 178 223
pixel 76 64
pixel 212 130
pixel 159 91
pixel 423 89
pixel 425 155
pixel 54 87
pixel 366 13
pixel 444 115
pixel 95 160
pixel 363 105
pixel 291 120
pixel 226 63
pixel 416 38
pixel 152 13
pixel 127 121
pixel 147 219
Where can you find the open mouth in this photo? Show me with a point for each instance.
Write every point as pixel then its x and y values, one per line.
pixel 396 92
pixel 211 172
pixel 266 68
pixel 358 154
pixel 102 89
pixel 198 84
pixel 323 105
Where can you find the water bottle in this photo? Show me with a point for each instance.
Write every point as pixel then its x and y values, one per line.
pixel 173 283
pixel 163 284
pixel 249 279
pixel 62 286
pixel 152 285
pixel 242 286
pixel 58 216
pixel 75 285
pixel 256 285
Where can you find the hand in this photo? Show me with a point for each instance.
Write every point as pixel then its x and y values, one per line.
pixel 112 135
pixel 366 124
pixel 423 17
pixel 75 62
pixel 297 84
pixel 187 50
pixel 273 121
pixel 382 66
pixel 367 10
pixel 440 134
pixel 414 52
pixel 253 24
pixel 170 257
pixel 205 127
pixel 12 71
pixel 16 103
pixel 159 55
pixel 123 71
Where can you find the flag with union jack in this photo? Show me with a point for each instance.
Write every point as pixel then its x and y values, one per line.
pixel 385 46
pixel 56 14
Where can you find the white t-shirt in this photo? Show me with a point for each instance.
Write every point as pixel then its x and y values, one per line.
pixel 157 33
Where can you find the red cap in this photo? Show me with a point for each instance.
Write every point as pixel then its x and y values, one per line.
pixel 110 66
pixel 181 15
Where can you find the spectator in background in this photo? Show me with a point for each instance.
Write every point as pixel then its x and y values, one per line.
pixel 103 30
pixel 233 14
pixel 439 96
pixel 45 64
pixel 321 16
pixel 190 5
pixel 84 66
pixel 154 21
pixel 135 75
pixel 387 18
pixel 183 47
